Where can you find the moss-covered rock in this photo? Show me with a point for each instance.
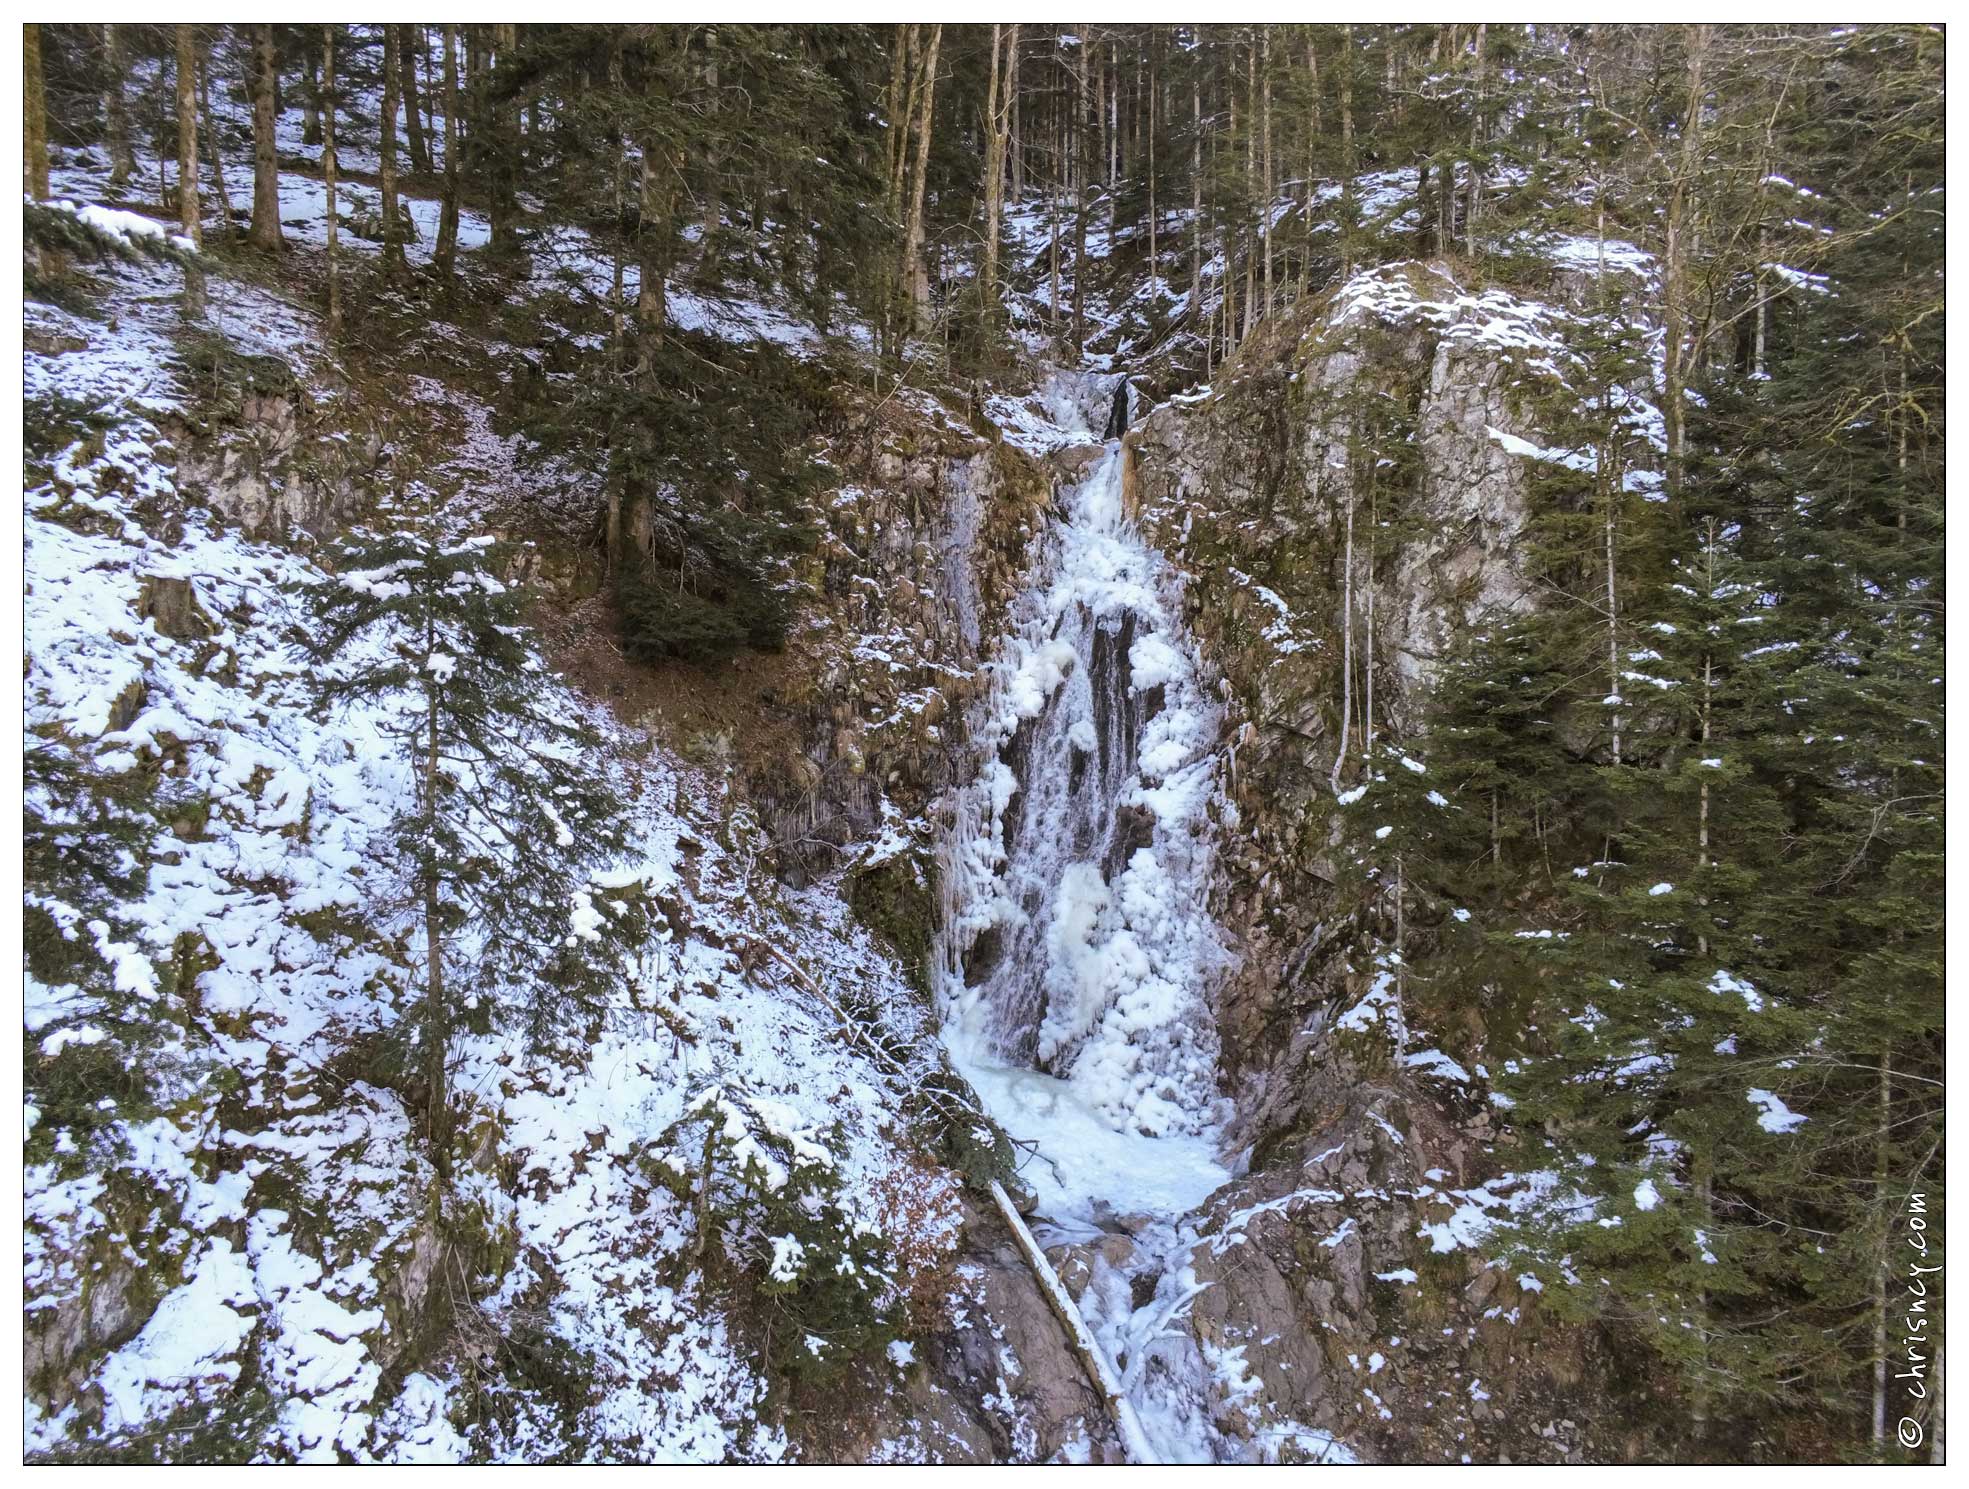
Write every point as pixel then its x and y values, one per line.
pixel 893 891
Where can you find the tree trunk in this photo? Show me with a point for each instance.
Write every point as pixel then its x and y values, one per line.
pixel 413 123
pixel 437 1023
pixel 1313 128
pixel 994 172
pixel 386 149
pixel 1227 320
pixel 122 161
pixel 1346 642
pixel 427 91
pixel 328 168
pixel 1265 130
pixel 1196 210
pixel 712 223
pixel 186 84
pixel 711 1130
pixel 264 232
pixel 1476 200
pixel 1613 611
pixel 1429 215
pixel 1881 1177
pixel 651 307
pixel 1017 149
pixel 1135 1444
pixel 1759 298
pixel 1250 187
pixel 1701 1386
pixel 1084 104
pixel 1346 150
pixel 1401 938
pixel 616 338
pixel 1053 256
pixel 653 236
pixel 188 214
pixel 499 146
pixel 34 133
pixel 1446 202
pixel 1113 116
pixel 998 138
pixel 310 100
pixel 1148 146
pixel 901 113
pixel 914 269
pixel 1250 289
pixel 446 250
pixel 1367 641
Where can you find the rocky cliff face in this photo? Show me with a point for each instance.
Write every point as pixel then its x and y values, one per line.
pixel 1365 421
pixel 923 546
pixel 1348 1263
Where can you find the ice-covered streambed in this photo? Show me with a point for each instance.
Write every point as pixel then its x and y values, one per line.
pixel 1078 955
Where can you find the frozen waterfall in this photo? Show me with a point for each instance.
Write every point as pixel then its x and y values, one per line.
pixel 1078 956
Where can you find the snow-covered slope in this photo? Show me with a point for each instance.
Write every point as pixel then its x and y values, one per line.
pixel 242 1246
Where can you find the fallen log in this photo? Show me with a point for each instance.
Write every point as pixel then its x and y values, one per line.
pixel 1127 1425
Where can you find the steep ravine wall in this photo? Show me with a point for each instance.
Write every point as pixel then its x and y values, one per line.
pixel 1248 490
pixel 922 549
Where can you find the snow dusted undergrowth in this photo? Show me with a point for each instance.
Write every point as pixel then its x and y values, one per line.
pixel 562 257
pixel 272 1195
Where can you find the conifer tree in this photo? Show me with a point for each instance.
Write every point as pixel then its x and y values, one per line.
pixel 103 1047
pixel 1749 1056
pixel 1837 429
pixel 1496 743
pixel 506 819
pixel 768 1194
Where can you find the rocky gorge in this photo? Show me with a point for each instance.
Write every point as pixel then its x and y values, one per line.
pixel 1214 798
